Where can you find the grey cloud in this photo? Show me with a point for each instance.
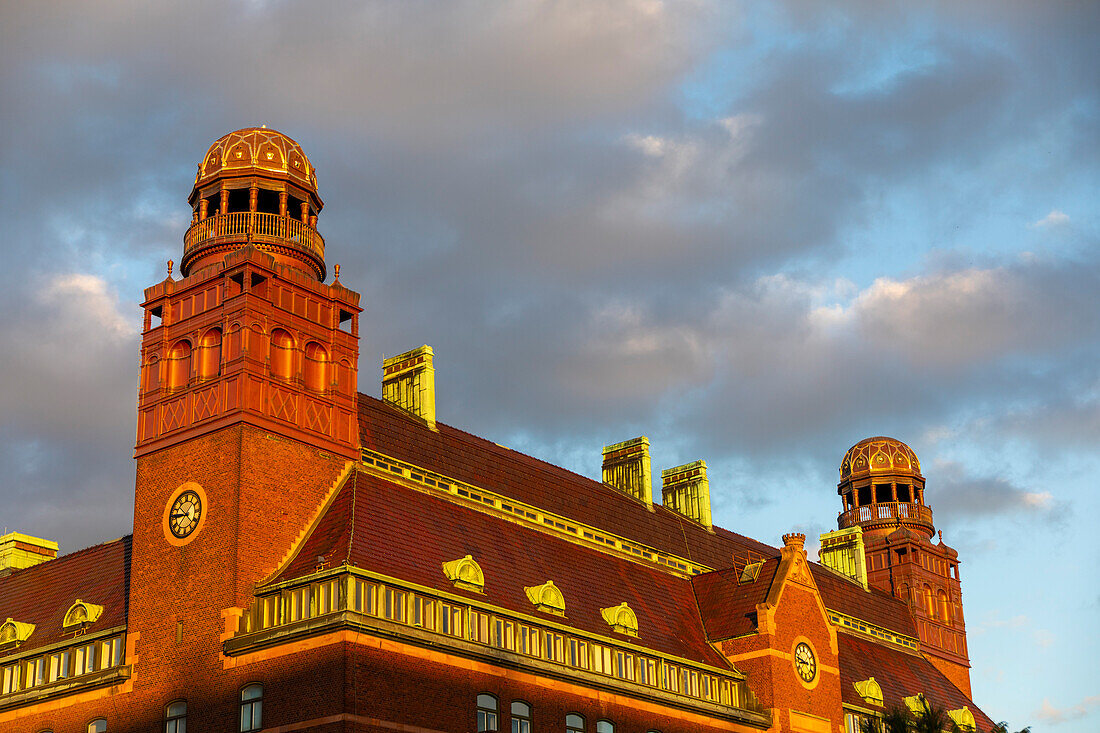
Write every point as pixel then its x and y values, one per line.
pixel 958 496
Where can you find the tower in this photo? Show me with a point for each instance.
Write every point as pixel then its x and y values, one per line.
pixel 247 402
pixel 882 492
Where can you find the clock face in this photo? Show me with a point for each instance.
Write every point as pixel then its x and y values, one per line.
pixel 804 662
pixel 183 517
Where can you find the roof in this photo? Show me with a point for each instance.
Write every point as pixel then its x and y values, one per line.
pixel 727 606
pixel 900 674
pixel 43 593
pixel 460 455
pixel 402 533
pixel 873 605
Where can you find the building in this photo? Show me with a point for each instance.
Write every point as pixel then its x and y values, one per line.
pixel 307 558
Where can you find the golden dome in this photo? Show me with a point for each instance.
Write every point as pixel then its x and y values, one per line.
pixel 257 150
pixel 879 455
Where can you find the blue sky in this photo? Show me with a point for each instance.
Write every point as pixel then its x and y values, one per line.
pixel 755 232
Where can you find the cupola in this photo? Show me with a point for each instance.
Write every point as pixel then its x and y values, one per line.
pixel 255 186
pixel 881 487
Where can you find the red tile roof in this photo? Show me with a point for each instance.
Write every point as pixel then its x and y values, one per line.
pixel 873 606
pixel 405 534
pixel 43 593
pixel 900 674
pixel 460 455
pixel 727 606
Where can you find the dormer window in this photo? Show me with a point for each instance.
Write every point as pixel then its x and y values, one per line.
pixel 465 573
pixel 869 690
pixel 621 619
pixel 80 614
pixel 547 598
pixel 14 632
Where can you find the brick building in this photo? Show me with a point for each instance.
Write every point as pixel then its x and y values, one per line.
pixel 308 558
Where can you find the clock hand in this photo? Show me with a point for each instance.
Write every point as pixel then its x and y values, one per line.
pixel 178 516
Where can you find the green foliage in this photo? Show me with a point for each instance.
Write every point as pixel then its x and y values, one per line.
pixel 1002 727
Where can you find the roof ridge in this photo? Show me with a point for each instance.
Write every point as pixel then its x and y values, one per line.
pixel 69 555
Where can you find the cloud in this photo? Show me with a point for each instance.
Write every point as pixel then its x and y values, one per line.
pixel 1055 218
pixel 1056 716
pixel 959 495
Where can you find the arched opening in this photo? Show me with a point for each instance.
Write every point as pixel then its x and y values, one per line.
pixel 179 364
pixel 316 367
pixel 929 604
pixel 210 354
pixel 945 612
pixel 267 202
pixel 486 713
pixel 282 354
pixel 152 374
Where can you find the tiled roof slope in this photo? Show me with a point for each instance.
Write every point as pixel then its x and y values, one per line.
pixel 460 455
pixel 405 534
pixel 41 594
pixel 728 607
pixel 900 674
pixel 873 606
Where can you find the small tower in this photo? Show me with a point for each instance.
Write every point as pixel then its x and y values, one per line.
pixel 251 332
pixel 882 492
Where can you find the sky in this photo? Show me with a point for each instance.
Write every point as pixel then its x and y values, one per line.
pixel 756 232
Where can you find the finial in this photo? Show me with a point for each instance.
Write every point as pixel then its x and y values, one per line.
pixel 941 536
pixel 263 127
pixel 169 268
pixel 336 272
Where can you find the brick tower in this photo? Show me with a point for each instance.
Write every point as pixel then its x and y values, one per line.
pixel 247 408
pixel 882 491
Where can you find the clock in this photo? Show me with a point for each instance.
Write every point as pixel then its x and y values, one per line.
pixel 804 662
pixel 184 514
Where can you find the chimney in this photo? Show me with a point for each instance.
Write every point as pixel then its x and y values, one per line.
pixel 18 551
pixel 685 490
pixel 626 467
pixel 842 551
pixel 408 382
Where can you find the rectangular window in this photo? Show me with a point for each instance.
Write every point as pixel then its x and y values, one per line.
pixel 269 612
pixel 624 665
pixel 393 604
pixel 689 684
pixel 423 613
pixel 326 597
pixel 647 671
pixel 60 665
pixel 450 619
pixel 578 653
pixel 85 660
pixel 479 627
pixel 10 679
pixel 601 659
pixel 528 640
pixel 35 672
pixel 554 647
pixel 670 677
pixel 504 634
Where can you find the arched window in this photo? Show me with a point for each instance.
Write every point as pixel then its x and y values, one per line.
pixel 316 367
pixel 179 364
pixel 574 723
pixel 152 373
pixel 929 604
pixel 252 708
pixel 175 717
pixel 99 725
pixel 605 726
pixel 521 717
pixel 945 613
pixel 210 354
pixel 282 354
pixel 486 713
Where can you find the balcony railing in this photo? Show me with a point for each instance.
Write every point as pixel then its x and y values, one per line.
pixel 264 229
pixel 887 511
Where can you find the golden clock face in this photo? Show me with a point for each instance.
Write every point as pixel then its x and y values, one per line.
pixel 804 662
pixel 185 513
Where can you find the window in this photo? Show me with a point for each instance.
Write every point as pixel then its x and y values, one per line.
pixel 316 367
pixel 175 717
pixel 521 717
pixel 282 354
pixel 605 726
pixel 574 723
pixel 99 725
pixel 252 708
pixel 486 713
pixel 179 364
pixel 210 354
pixel 10 679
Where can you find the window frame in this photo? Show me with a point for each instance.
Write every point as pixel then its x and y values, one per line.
pixel 490 721
pixel 603 725
pixel 169 718
pixel 518 718
pixel 253 704
pixel 94 721
pixel 574 727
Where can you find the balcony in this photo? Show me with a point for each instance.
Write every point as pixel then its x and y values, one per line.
pixel 886 513
pixel 256 226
